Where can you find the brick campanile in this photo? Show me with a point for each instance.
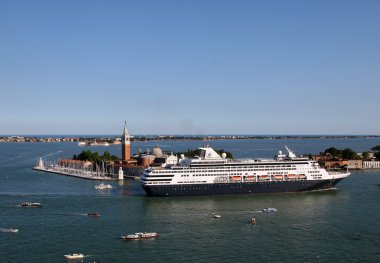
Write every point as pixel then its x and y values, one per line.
pixel 126 145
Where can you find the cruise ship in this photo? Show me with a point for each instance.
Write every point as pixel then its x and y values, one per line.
pixel 212 174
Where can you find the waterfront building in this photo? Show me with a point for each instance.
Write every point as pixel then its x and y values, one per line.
pixel 371 164
pixel 355 164
pixel 335 164
pixel 350 164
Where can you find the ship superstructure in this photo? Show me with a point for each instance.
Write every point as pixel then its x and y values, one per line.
pixel 212 174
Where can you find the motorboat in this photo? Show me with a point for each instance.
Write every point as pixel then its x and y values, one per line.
pixel 74 256
pixel 94 214
pixel 215 215
pixel 140 235
pixel 252 221
pixel 269 210
pixel 13 230
pixel 30 204
pixel 103 186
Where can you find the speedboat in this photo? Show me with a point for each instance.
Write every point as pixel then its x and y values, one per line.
pixel 13 230
pixel 269 210
pixel 140 235
pixel 74 256
pixel 94 214
pixel 30 204
pixel 103 186
pixel 215 215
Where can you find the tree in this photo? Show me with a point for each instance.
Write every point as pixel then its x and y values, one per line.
pixel 321 163
pixel 334 152
pixel 106 155
pixel 342 154
pixel 376 148
pixel 349 154
pixel 95 157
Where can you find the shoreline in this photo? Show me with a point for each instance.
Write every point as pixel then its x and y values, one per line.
pixel 115 140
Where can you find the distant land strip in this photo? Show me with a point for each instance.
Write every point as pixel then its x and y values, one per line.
pixel 139 138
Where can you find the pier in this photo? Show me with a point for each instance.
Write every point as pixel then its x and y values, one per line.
pixel 74 171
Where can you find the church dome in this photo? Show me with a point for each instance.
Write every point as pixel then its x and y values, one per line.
pixel 157 151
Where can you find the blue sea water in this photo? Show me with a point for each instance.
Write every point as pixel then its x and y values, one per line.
pixel 333 226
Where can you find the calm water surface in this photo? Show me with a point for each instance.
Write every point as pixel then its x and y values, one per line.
pixel 333 226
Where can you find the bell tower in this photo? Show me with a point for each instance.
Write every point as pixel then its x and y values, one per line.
pixel 126 145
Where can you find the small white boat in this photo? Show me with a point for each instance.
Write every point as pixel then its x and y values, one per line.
pixel 140 235
pixel 13 230
pixel 30 204
pixel 269 210
pixel 103 186
pixel 216 216
pixel 74 256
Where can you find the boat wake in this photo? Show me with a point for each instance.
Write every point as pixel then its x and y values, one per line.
pixel 80 214
pixel 323 190
pixel 51 154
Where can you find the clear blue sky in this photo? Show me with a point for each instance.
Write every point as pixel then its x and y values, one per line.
pixel 190 67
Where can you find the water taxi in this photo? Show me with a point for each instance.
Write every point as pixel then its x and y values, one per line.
pixel 140 235
pixel 30 204
pixel 74 256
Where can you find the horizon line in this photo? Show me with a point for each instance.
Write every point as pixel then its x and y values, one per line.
pixel 29 135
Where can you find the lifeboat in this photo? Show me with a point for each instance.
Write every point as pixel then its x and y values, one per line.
pixel 264 177
pixel 292 176
pixel 236 178
pixel 277 177
pixel 301 176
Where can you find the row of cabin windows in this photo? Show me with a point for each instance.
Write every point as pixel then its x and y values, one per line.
pixel 232 174
pixel 248 168
pixel 229 173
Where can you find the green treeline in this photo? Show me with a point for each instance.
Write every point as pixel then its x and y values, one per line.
pixel 94 156
pixel 349 154
pixel 376 148
pixel 377 153
pixel 346 154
